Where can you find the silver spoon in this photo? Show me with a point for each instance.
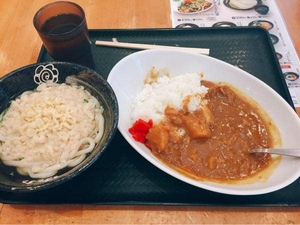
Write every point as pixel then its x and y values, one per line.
pixel 278 151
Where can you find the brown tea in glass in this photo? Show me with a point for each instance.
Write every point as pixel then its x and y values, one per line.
pixel 63 29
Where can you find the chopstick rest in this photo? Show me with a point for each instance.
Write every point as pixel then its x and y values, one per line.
pixel 116 44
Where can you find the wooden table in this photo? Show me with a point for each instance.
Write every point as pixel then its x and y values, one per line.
pixel 20 45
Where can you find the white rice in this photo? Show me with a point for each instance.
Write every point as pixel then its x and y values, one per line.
pixel 154 98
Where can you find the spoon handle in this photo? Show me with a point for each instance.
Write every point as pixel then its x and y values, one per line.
pixel 278 151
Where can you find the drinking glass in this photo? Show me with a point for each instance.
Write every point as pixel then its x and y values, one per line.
pixel 63 29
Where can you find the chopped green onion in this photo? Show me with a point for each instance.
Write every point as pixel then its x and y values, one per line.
pixel 2 115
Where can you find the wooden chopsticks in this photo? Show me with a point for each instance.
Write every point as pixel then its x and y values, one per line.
pixel 116 44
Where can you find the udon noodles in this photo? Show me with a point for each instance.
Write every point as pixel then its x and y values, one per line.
pixel 50 128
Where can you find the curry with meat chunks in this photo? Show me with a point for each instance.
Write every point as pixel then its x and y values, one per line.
pixel 213 142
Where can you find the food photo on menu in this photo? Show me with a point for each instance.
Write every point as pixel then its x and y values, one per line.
pixel 244 13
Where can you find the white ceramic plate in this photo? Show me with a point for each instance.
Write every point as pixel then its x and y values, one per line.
pixel 127 77
pixel 189 13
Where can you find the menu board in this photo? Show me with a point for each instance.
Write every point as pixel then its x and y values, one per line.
pixel 233 13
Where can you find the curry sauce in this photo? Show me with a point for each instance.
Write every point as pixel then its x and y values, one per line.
pixel 213 142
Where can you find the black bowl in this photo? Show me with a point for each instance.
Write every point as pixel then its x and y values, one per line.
pixel 27 78
pixel 262 9
pixel 274 39
pixel 291 76
pixel 187 25
pixel 262 23
pixel 224 24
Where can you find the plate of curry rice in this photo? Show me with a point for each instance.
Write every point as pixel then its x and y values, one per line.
pixel 197 121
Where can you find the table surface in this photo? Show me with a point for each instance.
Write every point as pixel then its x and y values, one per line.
pixel 20 45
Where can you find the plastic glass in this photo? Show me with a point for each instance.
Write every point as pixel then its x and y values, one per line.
pixel 63 29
